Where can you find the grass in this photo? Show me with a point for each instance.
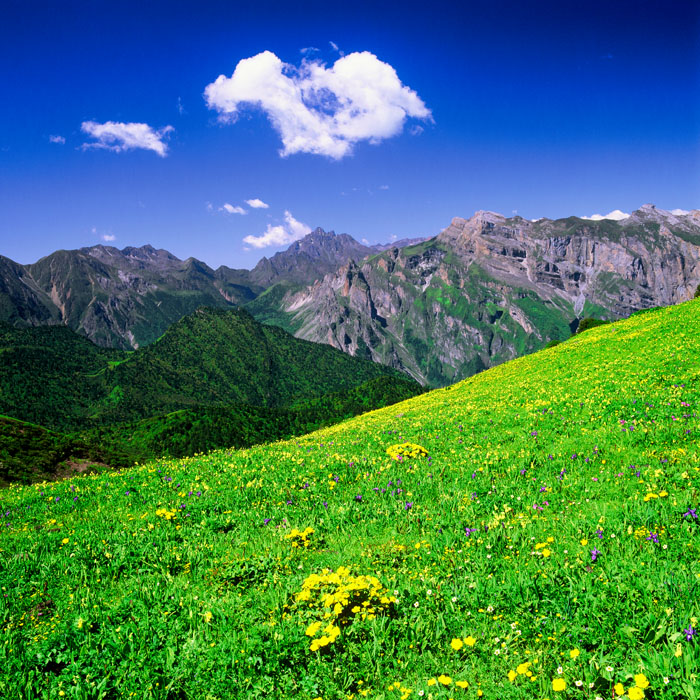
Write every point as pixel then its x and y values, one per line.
pixel 546 547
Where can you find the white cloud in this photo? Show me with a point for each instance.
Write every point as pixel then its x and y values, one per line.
pixel 615 215
pixel 257 204
pixel 383 187
pixel 209 206
pixel 180 107
pixel 365 241
pixel 118 136
pixel 316 109
pixel 283 234
pixel 231 209
pixel 334 46
pixel 108 237
pixel 57 139
pixel 679 212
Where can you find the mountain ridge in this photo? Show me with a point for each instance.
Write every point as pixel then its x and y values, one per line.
pixel 127 298
pixel 484 290
pixel 490 288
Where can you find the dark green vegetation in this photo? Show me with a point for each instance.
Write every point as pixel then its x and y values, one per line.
pixel 192 431
pixel 548 546
pixel 590 322
pixel 217 378
pixel 30 453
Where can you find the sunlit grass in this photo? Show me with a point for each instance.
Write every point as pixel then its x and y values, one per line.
pixel 543 543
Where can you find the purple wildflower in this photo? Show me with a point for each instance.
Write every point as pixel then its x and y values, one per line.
pixel 691 513
pixel 594 554
pixel 690 633
pixel 408 505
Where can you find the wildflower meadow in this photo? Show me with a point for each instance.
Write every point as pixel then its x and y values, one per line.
pixel 531 532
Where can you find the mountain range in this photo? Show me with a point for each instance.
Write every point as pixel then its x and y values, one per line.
pixel 485 290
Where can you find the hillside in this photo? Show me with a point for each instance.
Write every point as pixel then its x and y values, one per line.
pixel 490 288
pixel 538 537
pixel 30 453
pixel 217 378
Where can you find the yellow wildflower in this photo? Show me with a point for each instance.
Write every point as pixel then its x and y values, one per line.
pixel 641 680
pixel 558 684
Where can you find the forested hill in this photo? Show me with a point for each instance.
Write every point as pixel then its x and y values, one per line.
pixel 216 378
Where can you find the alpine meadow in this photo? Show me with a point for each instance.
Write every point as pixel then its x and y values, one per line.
pixel 324 373
pixel 531 532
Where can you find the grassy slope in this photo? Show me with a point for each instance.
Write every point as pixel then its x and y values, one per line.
pixel 543 459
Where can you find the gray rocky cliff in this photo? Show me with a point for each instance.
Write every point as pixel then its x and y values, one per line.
pixel 489 288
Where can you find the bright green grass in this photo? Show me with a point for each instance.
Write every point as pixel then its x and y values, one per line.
pixel 176 579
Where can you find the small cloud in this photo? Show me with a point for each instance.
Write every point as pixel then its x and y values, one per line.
pixel 231 209
pixel 365 241
pixel 416 130
pixel 108 237
pixel 316 109
pixel 393 237
pixel 257 204
pixel 209 206
pixel 309 50
pixel 383 187
pixel 334 46
pixel 55 138
pixel 679 212
pixel 615 215
pixel 180 107
pixel 283 234
pixel 120 136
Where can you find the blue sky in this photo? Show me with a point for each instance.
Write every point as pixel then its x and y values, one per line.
pixel 410 114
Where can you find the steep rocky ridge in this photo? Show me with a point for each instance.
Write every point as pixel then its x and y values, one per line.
pixel 128 298
pixel 490 288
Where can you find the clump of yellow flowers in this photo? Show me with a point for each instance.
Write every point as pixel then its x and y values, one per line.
pixel 336 598
pixel 300 538
pixel 406 450
pixel 165 513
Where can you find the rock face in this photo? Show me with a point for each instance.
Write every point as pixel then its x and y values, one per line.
pixel 483 291
pixel 117 298
pixel 128 298
pixel 488 289
pixel 308 259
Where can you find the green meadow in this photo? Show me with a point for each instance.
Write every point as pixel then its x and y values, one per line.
pixel 531 532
